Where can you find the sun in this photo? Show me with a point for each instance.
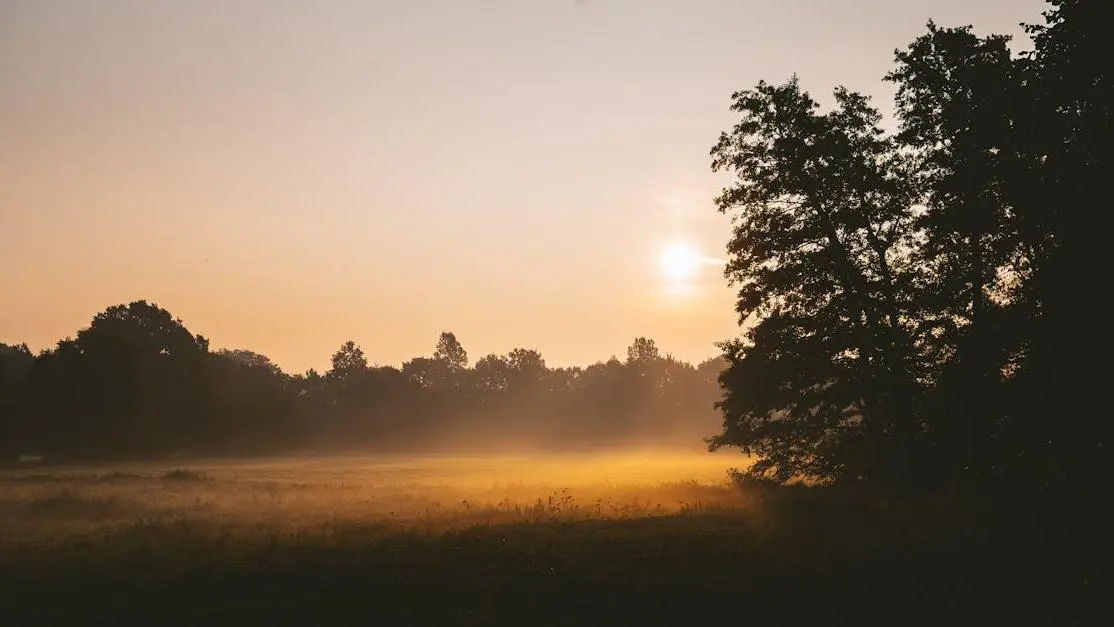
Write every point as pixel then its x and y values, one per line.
pixel 679 262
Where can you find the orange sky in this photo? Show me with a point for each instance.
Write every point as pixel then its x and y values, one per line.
pixel 288 175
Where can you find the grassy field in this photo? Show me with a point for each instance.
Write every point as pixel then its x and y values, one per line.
pixel 415 493
pixel 574 540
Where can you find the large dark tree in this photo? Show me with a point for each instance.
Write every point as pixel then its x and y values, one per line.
pixel 131 383
pixel 1072 94
pixel 918 304
pixel 960 99
pixel 823 384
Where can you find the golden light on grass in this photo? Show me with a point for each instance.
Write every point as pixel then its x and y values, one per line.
pixel 422 492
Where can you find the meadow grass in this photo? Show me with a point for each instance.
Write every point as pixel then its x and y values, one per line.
pixel 484 541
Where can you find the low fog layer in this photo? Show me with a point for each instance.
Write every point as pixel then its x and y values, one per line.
pixel 424 492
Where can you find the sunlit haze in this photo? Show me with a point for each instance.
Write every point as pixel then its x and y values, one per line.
pixel 285 176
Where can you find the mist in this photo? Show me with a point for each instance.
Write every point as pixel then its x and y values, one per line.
pixel 424 492
pixel 138 384
pixel 619 313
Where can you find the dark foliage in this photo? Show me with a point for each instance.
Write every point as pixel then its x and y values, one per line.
pixel 917 302
pixel 138 384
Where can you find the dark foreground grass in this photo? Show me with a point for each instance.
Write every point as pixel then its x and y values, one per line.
pixel 804 557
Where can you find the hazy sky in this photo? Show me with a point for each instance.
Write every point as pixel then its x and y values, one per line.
pixel 287 175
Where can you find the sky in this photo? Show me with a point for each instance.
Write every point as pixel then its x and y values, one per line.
pixel 287 175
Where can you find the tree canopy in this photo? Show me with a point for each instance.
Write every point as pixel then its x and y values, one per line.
pixel 137 383
pixel 905 295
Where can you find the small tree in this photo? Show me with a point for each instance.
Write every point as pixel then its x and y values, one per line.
pixel 450 352
pixel 642 350
pixel 347 362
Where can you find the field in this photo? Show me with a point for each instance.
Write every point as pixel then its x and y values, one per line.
pixel 415 493
pixel 646 538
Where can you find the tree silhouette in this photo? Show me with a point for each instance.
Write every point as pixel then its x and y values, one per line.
pixel 914 299
pixel 1071 127
pixel 137 383
pixel 822 384
pixel 642 350
pixel 131 383
pixel 526 361
pixel 450 352
pixel 348 362
pixel 492 373
pixel 958 100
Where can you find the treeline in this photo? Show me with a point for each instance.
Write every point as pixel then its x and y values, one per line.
pixel 138 384
pixel 923 302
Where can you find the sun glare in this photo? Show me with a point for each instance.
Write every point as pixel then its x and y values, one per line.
pixel 679 262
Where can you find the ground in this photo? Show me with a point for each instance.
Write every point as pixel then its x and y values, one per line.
pixel 639 538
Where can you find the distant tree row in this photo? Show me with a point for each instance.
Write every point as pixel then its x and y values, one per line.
pixel 921 303
pixel 137 383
